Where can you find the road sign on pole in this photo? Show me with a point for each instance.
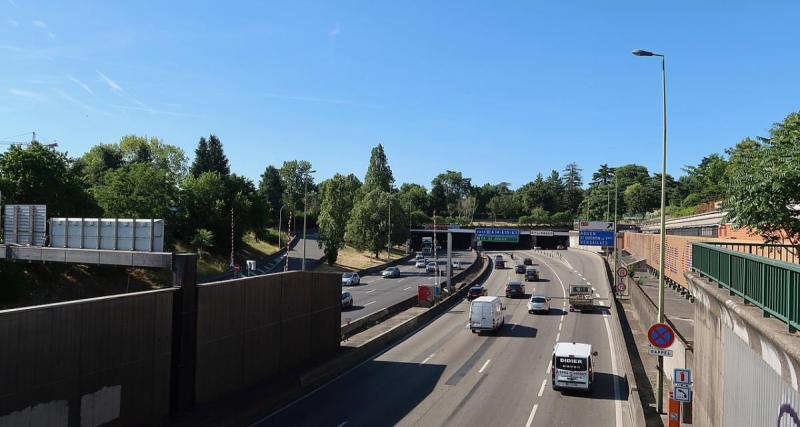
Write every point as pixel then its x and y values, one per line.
pixel 622 272
pixel 622 287
pixel 681 393
pixel 661 335
pixel 659 352
pixel 682 377
pixel 510 235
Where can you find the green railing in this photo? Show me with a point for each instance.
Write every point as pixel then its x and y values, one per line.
pixel 771 285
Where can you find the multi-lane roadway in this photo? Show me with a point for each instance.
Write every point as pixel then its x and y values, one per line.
pixel 376 293
pixel 445 375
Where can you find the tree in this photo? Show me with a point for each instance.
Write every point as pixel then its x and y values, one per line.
pixel 204 204
pixel 210 157
pixel 167 158
pixel 603 176
pixel 379 174
pixel 138 190
pixel 572 177
pixel 271 188
pixel 97 161
pixel 505 206
pixel 447 189
pixel 708 179
pixel 764 189
pixel 335 211
pixel 414 197
pixel 40 175
pixel 538 216
pixel 368 227
pixel 296 177
pixel 202 240
pixel 636 199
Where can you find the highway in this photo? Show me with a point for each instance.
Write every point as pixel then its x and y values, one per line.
pixel 376 293
pixel 445 375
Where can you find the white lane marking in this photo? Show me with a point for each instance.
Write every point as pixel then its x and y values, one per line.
pixel 617 404
pixel 530 418
pixel 342 424
pixel 541 389
pixel 405 289
pixel 427 359
pixel 513 326
pixel 549 365
pixel 558 335
pixel 480 371
pixel 589 283
pixel 559 327
pixel 371 302
pixel 369 291
pixel 597 295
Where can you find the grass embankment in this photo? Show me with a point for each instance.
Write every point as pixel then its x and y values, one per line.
pixel 252 248
pixel 351 259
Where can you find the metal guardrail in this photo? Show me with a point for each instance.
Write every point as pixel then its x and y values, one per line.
pixel 786 253
pixel 771 285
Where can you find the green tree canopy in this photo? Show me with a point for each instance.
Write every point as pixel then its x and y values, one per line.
pixel 210 157
pixel 138 190
pixel 271 188
pixel 379 174
pixel 296 177
pixel 447 189
pixel 337 203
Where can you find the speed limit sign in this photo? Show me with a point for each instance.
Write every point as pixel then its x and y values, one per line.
pixel 622 272
pixel 621 286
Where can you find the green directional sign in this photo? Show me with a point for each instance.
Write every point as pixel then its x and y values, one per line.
pixel 508 235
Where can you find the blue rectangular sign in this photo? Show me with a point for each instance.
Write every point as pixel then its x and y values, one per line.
pixel 596 238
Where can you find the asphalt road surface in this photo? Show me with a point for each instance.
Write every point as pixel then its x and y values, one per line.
pixel 376 293
pixel 445 375
pixel 313 254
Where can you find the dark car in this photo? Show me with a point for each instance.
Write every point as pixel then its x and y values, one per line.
pixel 475 292
pixel 527 261
pixel 519 269
pixel 515 290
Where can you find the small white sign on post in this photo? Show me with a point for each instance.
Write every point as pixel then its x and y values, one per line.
pixel 659 352
pixel 682 377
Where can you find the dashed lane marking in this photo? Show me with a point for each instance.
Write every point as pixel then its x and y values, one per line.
pixel 427 359
pixel 530 418
pixel 541 389
pixel 371 302
pixel 480 371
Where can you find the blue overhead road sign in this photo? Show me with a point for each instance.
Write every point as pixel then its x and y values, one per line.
pixel 596 238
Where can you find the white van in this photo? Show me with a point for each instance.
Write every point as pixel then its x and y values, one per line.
pixel 486 314
pixel 573 366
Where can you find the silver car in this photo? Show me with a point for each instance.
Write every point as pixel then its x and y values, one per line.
pixel 539 304
pixel 421 263
pixel 350 279
pixel 347 299
pixel 431 267
pixel 391 272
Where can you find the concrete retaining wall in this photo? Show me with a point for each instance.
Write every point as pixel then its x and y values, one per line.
pixel 87 362
pixel 747 367
pixel 251 328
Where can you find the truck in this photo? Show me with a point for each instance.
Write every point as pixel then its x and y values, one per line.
pixel 427 246
pixel 486 314
pixel 581 298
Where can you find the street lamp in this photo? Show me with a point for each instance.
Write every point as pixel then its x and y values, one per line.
pixel 660 378
pixel 305 213
pixel 389 235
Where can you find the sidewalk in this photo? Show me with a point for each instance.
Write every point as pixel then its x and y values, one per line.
pixel 680 312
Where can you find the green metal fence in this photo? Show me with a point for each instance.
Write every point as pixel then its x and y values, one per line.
pixel 771 285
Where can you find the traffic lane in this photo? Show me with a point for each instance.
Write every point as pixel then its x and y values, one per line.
pixel 376 293
pixel 516 367
pixel 590 269
pixel 603 405
pixel 381 390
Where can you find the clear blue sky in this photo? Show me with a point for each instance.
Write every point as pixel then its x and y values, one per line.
pixel 497 90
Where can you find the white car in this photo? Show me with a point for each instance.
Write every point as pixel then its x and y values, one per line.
pixel 347 299
pixel 431 267
pixel 350 279
pixel 421 263
pixel 539 303
pixel 456 265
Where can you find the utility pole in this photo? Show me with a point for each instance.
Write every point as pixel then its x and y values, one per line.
pixel 233 262
pixel 435 254
pixel 608 200
pixel 389 234
pixel 616 255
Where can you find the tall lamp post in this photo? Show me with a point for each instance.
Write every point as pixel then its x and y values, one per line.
pixel 305 213
pixel 660 378
pixel 280 223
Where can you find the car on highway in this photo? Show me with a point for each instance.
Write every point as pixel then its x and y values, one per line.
pixel 539 304
pixel 572 366
pixel 456 264
pixel 527 261
pixel 351 279
pixel 476 292
pixel 515 289
pixel 531 274
pixel 486 314
pixel 499 262
pixel 431 267
pixel 580 298
pixel 420 256
pixel 560 247
pixel 421 263
pixel 538 248
pixel 347 299
pixel 519 269
pixel 391 272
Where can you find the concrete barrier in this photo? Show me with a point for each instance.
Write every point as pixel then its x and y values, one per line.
pixel 635 409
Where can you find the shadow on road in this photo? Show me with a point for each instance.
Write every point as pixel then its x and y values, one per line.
pixel 517 331
pixel 350 399
pixel 603 388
